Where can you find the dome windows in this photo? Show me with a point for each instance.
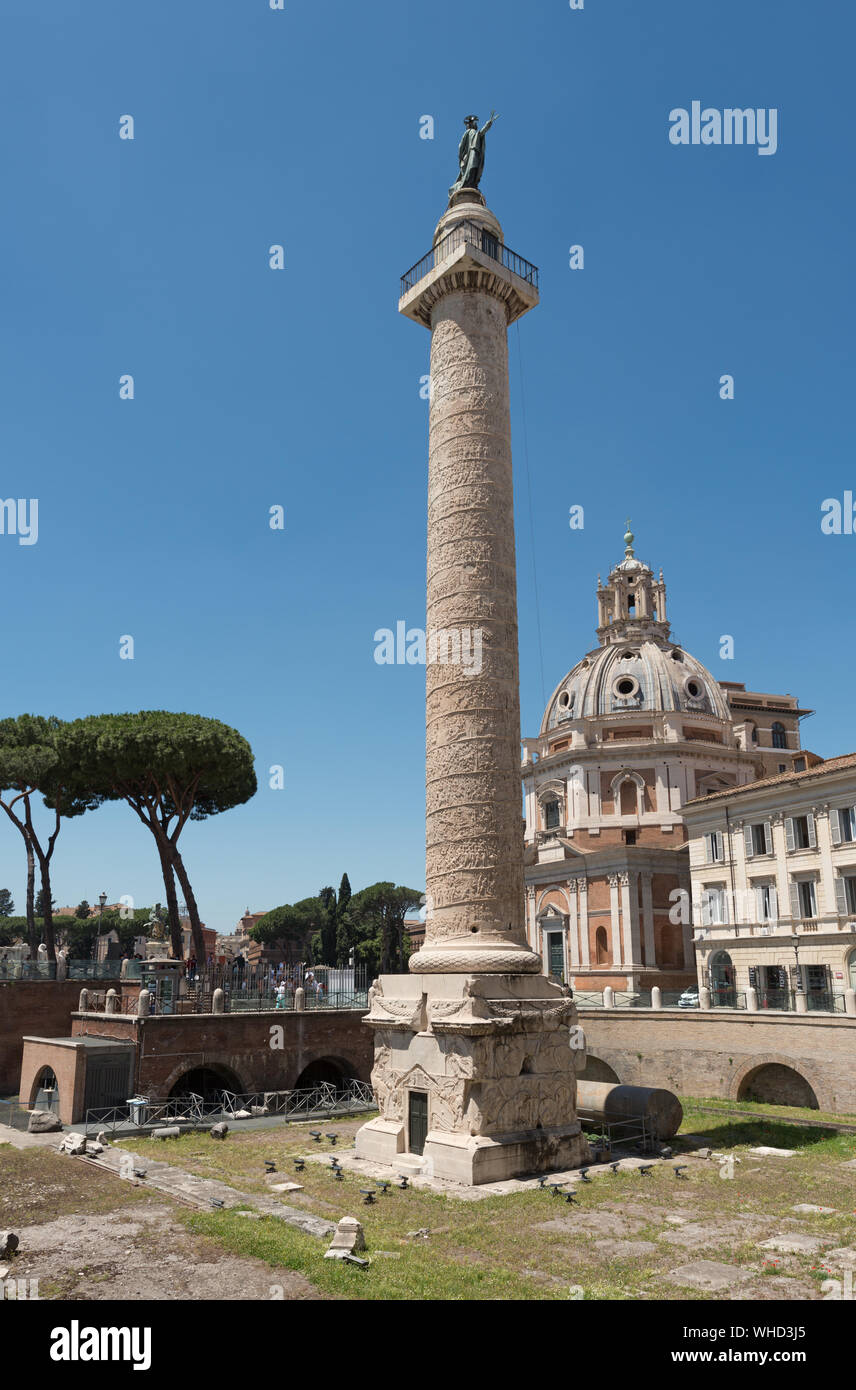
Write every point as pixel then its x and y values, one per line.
pixel 566 704
pixel 677 654
pixel 694 688
pixel 626 656
pixel 626 687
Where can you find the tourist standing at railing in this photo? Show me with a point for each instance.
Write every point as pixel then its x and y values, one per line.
pixel 281 998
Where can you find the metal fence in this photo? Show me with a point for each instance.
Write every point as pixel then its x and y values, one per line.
pixel 261 989
pixel 76 969
pixel 16 1116
pixel 142 1115
pixel 637 1133
pixel 779 1000
pixel 471 234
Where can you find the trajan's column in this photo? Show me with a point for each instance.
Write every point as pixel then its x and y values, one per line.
pixel 475 1050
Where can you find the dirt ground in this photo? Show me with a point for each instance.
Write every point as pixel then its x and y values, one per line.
pixel 107 1239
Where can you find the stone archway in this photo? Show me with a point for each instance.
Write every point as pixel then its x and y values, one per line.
pixel 597 1070
pixel 774 1080
pixel 208 1081
pixel 723 988
pixel 336 1071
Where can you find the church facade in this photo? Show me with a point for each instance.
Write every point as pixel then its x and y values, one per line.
pixel 635 730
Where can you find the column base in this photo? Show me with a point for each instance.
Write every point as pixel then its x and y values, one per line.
pixel 475 1159
pixel 475 1077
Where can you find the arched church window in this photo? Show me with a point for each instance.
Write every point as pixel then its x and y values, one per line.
pixel 627 801
pixel 551 815
pixel 779 735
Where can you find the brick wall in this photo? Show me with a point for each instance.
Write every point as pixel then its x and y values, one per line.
pixel 43 1007
pixel 245 1045
pixel 701 1053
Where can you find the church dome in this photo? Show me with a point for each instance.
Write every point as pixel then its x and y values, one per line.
pixel 637 669
pixel 630 677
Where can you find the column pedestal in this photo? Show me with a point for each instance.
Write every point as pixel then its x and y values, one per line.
pixel 492 1063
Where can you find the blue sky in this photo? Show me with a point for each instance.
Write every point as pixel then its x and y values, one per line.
pixel 300 387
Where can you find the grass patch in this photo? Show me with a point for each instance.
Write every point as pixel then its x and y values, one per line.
pixel 788 1112
pixel 620 1242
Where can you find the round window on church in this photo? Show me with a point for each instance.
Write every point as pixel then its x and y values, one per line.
pixel 694 689
pixel 563 699
pixel 677 655
pixel 625 687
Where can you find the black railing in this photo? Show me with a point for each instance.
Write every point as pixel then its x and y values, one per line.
pixel 262 988
pixel 143 1114
pixel 470 233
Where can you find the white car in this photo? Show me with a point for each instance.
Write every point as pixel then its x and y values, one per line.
pixel 689 998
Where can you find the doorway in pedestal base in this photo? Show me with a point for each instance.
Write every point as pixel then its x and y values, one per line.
pixel 417 1121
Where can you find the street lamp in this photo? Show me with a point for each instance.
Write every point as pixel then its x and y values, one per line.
pixel 102 898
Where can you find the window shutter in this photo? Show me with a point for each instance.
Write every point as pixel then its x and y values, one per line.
pixel 835 823
pixel 812 836
pixel 768 837
pixel 840 896
pixel 789 832
pixel 759 903
pixel 747 840
pixel 774 904
pixel 723 906
pixel 794 893
pixel 708 849
pixel 720 853
pixel 705 908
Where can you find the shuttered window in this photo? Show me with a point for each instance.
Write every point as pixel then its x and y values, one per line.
pixel 845 895
pixel 714 851
pixel 800 832
pixel 843 824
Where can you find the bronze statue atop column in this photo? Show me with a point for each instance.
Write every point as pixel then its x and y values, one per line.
pixel 471 154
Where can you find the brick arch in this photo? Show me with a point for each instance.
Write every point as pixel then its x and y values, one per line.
pixel 345 1064
pixel 36 1084
pixel 807 1072
pixel 212 1064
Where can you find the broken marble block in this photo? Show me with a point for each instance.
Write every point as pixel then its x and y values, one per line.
pixel 219 1131
pixel 74 1144
pixel 348 1239
pixel 43 1122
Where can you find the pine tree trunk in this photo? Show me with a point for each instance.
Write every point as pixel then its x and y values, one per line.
pixel 175 932
pixel 192 910
pixel 32 939
pixel 47 910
